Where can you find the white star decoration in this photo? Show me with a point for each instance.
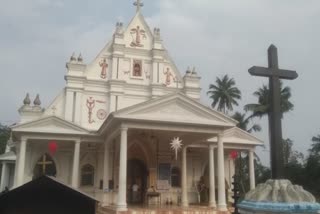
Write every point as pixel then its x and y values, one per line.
pixel 176 145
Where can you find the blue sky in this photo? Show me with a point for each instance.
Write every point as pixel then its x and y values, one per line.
pixel 218 37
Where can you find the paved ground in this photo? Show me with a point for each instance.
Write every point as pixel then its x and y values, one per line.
pixel 163 210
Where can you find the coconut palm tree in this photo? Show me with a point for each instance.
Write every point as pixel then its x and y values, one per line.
pixel 244 121
pixel 315 147
pixel 262 108
pixel 224 94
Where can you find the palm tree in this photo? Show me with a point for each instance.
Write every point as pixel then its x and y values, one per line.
pixel 243 122
pixel 315 147
pixel 224 94
pixel 263 107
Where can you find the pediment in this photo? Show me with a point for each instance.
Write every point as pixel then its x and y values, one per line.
pixel 176 108
pixel 51 124
pixel 238 136
pixel 138 34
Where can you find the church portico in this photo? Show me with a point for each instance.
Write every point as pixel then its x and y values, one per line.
pixel 156 135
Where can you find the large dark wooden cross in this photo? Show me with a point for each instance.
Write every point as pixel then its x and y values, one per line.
pixel 275 114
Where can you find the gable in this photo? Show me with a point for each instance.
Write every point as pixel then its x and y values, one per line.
pixel 236 135
pixel 176 108
pixel 51 124
pixel 138 34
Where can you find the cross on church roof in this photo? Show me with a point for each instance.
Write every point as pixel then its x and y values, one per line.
pixel 138 4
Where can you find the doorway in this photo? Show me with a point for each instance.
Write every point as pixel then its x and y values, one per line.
pixel 137 175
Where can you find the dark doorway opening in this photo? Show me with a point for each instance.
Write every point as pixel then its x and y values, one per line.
pixel 137 175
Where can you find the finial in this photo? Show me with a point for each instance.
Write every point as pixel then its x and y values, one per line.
pixel 27 100
pixel 156 33
pixel 138 4
pixel 119 28
pixel 188 70
pixel 72 58
pixel 194 71
pixel 80 59
pixel 37 101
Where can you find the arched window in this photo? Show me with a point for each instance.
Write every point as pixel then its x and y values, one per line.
pixel 45 166
pixel 175 177
pixel 87 175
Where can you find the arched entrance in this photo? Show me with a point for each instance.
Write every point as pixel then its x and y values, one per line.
pixel 137 175
pixel 45 166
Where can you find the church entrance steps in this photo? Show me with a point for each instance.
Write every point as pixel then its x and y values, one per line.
pixel 161 210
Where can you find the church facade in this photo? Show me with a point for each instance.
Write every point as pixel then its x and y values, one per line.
pixel 129 128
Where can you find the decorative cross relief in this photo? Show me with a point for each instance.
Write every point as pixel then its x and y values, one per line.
pixel 137 35
pixel 44 163
pixel 91 103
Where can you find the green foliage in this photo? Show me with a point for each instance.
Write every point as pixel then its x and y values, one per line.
pixel 312 168
pixel 262 108
pixel 4 136
pixel 291 156
pixel 262 173
pixel 300 171
pixel 224 94
pixel 244 122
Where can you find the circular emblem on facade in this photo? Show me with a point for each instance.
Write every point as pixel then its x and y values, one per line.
pixel 101 114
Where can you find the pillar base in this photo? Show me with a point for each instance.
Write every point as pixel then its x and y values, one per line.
pixel 185 204
pixel 222 207
pixel 121 208
pixel 212 204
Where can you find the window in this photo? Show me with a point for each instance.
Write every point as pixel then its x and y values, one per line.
pixel 87 175
pixel 175 177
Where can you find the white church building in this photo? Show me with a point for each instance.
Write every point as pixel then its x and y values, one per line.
pixel 129 128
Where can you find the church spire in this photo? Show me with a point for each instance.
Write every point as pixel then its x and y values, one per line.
pixel 138 4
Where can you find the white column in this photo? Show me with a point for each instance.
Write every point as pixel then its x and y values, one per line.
pixel 251 170
pixel 3 176
pixel 222 206
pixel 21 163
pixel 184 191
pixel 106 173
pixel 212 196
pixel 122 193
pixel 75 166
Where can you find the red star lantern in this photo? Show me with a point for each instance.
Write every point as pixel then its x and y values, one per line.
pixel 52 146
pixel 234 154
